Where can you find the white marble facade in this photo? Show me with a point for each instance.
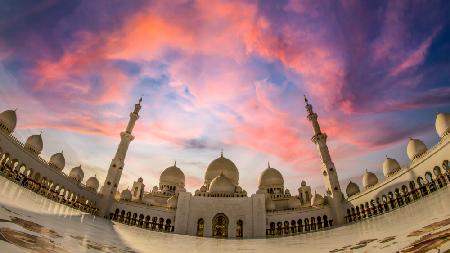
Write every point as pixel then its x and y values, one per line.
pixel 222 208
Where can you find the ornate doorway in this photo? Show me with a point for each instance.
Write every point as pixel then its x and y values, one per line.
pixel 220 226
pixel 200 227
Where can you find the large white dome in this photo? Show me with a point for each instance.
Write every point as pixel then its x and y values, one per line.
pixel 369 179
pixel 270 178
pixel 222 184
pixel 415 148
pixel 77 173
pixel 390 166
pixel 442 123
pixel 93 183
pixel 34 143
pixel 352 189
pixel 172 176
pixel 57 161
pixel 8 120
pixel 222 165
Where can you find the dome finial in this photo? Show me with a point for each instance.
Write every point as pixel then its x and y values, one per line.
pixel 175 165
pixel 221 153
pixel 306 100
pixel 268 165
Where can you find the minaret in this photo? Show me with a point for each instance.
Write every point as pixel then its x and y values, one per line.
pixel 115 168
pixel 330 177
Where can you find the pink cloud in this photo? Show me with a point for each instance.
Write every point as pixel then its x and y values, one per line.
pixel 416 57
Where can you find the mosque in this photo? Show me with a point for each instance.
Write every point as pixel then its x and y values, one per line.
pixel 221 208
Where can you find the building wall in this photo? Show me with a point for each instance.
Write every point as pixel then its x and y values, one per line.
pixel 14 148
pixel 419 167
pixel 302 213
pixel 250 210
pixel 139 208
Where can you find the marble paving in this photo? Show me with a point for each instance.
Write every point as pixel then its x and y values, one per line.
pixel 32 223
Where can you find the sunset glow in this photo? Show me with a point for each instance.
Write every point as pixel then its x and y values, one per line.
pixel 226 75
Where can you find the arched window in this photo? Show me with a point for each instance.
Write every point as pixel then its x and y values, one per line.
pixel 300 226
pixel 128 218
pixel 239 229
pixel 141 220
pixel 147 221
pixel 319 222
pixel 325 221
pixel 313 223
pixel 306 224
pixel 168 226
pixel 200 227
pixel 154 223
pixel 272 228
pixel 161 224
pixel 286 227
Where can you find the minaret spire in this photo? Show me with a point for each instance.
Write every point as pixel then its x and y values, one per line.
pixel 115 169
pixel 330 177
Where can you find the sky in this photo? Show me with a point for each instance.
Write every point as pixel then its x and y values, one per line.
pixel 226 75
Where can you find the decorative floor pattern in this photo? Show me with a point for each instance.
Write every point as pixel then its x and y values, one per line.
pixel 31 223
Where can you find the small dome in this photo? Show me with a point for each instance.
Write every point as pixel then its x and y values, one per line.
pixel 172 176
pixel 270 178
pixel 172 202
pixel 77 173
pixel 287 192
pixel 8 120
pixel 203 188
pixel 390 166
pixel 352 189
pixel 221 184
pixel 238 189
pixel 34 143
pixel 415 148
pixel 294 203
pixel 155 188
pixel 140 180
pixel 303 183
pixel 125 195
pixel 270 205
pixel 317 200
pixel 369 179
pixel 442 123
pixel 92 183
pixel 222 165
pixel 57 161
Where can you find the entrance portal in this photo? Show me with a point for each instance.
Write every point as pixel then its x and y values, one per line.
pixel 220 226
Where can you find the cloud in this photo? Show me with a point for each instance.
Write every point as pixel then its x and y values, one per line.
pixel 220 73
